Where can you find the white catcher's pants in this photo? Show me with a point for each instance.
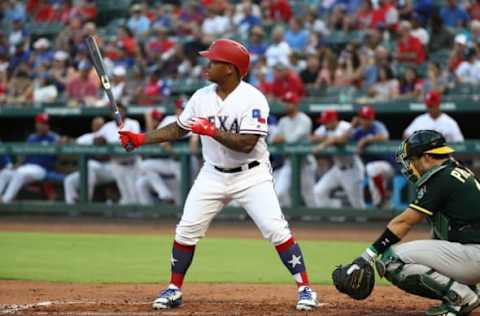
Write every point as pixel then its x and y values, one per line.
pixel 12 180
pixel 350 180
pixel 98 173
pixel 151 172
pixel 252 189
pixel 283 182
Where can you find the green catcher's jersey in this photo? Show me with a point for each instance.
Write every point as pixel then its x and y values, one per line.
pixel 450 195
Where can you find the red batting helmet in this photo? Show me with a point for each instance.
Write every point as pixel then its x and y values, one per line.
pixel 367 112
pixel 231 52
pixel 432 99
pixel 328 116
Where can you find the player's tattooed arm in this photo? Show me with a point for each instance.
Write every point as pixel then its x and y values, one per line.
pixel 238 142
pixel 165 134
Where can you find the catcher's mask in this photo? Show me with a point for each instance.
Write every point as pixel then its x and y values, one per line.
pixel 420 143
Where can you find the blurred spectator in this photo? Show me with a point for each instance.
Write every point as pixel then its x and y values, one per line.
pixel 4 45
pixel 370 65
pixel 436 120
pixel 458 52
pixel 286 80
pixel 138 23
pixel 474 10
pixel 59 72
pixel 469 70
pixel 310 73
pixel 13 10
pixel 338 19
pixel 278 10
pixel 409 48
pixel 411 83
pixel 425 9
pixel 454 15
pixel 387 86
pixel 279 50
pixel 215 24
pixel 475 32
pixel 440 36
pixel 42 54
pixel 154 90
pixel 33 167
pixel 3 84
pixel 44 91
pixel 261 81
pixel 163 16
pixel 118 82
pixel 40 10
pixel 256 45
pixel 436 79
pixel 158 45
pixel 419 31
pixel 345 69
pixel 18 35
pixel 297 36
pixel 19 91
pixel 294 127
pixel 81 89
pixel 247 19
pixel 64 39
pixel 244 10
pixel 84 9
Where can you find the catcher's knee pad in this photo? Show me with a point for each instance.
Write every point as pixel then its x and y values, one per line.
pixel 415 278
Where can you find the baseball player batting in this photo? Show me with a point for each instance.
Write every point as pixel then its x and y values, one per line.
pixel 231 117
pixel 446 268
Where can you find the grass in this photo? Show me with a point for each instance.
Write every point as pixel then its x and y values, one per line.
pixel 85 258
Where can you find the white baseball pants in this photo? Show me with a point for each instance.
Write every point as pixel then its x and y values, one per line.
pixel 378 168
pixel 252 189
pixel 98 173
pixel 12 180
pixel 125 176
pixel 350 180
pixel 283 182
pixel 151 172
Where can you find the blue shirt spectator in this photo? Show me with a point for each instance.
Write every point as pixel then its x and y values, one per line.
pixel 296 37
pixel 45 161
pixel 453 15
pixel 138 23
pixel 15 10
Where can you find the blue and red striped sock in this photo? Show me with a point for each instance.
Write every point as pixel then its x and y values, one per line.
pixel 292 258
pixel 181 259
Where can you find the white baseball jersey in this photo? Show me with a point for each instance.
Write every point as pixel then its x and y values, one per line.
pixel 294 129
pixel 109 131
pixel 85 139
pixel 341 129
pixel 444 124
pixel 244 110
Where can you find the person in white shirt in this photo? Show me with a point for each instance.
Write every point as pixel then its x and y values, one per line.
pixel 99 168
pixel 294 127
pixel 435 120
pixel 215 24
pixel 161 175
pixel 347 171
pixel 124 169
pixel 279 51
pixel 118 81
pixel 469 70
pixel 230 116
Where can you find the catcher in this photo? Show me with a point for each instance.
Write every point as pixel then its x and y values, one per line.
pixel 446 268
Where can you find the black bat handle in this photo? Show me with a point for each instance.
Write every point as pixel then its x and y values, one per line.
pixel 119 121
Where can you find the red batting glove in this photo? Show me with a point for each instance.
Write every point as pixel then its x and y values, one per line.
pixel 202 126
pixel 131 140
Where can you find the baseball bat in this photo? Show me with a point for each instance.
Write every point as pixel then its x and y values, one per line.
pixel 99 65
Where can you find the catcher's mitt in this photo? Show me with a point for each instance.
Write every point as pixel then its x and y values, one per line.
pixel 356 279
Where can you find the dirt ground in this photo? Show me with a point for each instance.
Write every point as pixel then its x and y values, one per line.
pixel 43 298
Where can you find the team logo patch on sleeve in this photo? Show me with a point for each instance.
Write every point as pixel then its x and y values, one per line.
pixel 256 114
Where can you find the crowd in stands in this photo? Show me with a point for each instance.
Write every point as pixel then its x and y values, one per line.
pixel 382 49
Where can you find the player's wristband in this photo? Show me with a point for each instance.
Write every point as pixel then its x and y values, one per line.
pixel 387 239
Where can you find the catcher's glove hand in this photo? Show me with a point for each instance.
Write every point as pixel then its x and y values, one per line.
pixel 356 279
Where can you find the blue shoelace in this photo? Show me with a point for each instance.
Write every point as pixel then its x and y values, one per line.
pixel 306 294
pixel 167 292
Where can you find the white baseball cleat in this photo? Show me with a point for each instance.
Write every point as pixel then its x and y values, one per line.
pixel 307 299
pixel 171 297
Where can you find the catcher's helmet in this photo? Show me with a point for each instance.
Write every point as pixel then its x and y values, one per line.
pixel 229 51
pixel 419 143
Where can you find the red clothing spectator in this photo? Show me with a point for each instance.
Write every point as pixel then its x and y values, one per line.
pixel 287 81
pixel 82 89
pixel 280 10
pixel 411 45
pixel 40 10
